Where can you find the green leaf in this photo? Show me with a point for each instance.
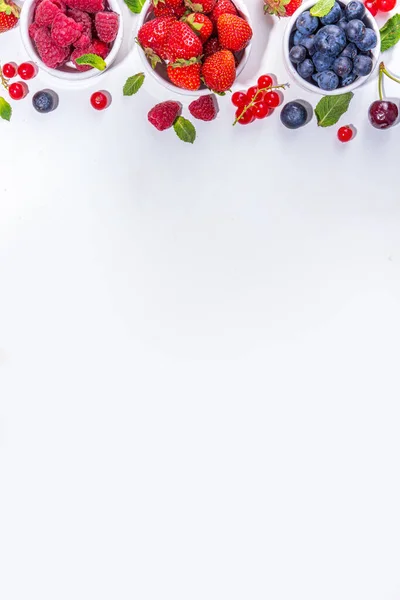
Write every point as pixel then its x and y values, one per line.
pixel 135 5
pixel 133 84
pixel 185 130
pixel 330 108
pixel 390 33
pixel 92 60
pixel 5 109
pixel 322 8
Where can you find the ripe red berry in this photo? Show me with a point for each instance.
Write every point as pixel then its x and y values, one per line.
pixel 386 5
pixel 239 99
pixel 9 70
pixel 246 117
pixel 372 6
pixel 18 90
pixel 264 81
pixel 261 110
pixel 251 92
pixel 345 134
pixel 272 99
pixel 100 100
pixel 27 70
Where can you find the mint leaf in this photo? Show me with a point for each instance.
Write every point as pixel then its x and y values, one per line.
pixel 135 5
pixel 185 130
pixel 322 8
pixel 390 33
pixel 92 60
pixel 330 108
pixel 5 109
pixel 133 84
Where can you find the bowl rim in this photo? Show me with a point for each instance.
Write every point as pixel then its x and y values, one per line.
pixel 25 21
pixel 242 9
pixel 307 4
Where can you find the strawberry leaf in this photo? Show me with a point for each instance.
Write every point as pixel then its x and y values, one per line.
pixel 5 109
pixel 133 84
pixel 390 33
pixel 92 60
pixel 322 8
pixel 330 108
pixel 135 5
pixel 185 130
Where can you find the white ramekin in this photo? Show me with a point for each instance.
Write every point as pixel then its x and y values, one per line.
pixel 307 4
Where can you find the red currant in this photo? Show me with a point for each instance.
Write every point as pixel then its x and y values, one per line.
pixel 9 70
pixel 261 110
pixel 18 90
pixel 345 134
pixel 372 6
pixel 386 5
pixel 272 99
pixel 264 81
pixel 247 116
pixel 27 70
pixel 239 99
pixel 100 100
pixel 252 92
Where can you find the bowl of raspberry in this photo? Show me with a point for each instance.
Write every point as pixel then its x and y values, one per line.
pixel 194 46
pixel 334 53
pixel 56 33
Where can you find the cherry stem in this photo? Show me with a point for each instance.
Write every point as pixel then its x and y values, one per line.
pixel 3 80
pixel 281 86
pixel 383 71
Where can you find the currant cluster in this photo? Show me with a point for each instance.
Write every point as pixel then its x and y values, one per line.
pixel 258 102
pixel 379 5
pixel 19 89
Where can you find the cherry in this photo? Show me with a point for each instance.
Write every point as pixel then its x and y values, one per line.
pixel 345 134
pixel 247 116
pixel 239 99
pixel 386 5
pixel 9 70
pixel 264 81
pixel 383 114
pixel 372 6
pixel 100 100
pixel 252 92
pixel 272 99
pixel 27 70
pixel 18 90
pixel 261 110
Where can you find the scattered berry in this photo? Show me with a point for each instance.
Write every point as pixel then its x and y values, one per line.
pixel 261 110
pixel 294 115
pixel 100 100
pixel 244 117
pixel 107 25
pixel 386 5
pixel 372 6
pixel 251 93
pixel 18 90
pixel 234 33
pixel 272 99
pixel 264 81
pixel 27 71
pixel 9 15
pixel 205 108
pixel 9 70
pixel 345 133
pixel 45 101
pixel 281 8
pixel 239 99
pixel 163 115
pixel 219 71
pixel 383 114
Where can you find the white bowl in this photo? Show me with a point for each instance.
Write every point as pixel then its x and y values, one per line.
pixel 368 20
pixel 68 71
pixel 160 72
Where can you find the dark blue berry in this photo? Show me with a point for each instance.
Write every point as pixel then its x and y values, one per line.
pixel 297 54
pixel 369 40
pixel 328 80
pixel 350 51
pixel 306 68
pixel 322 62
pixel 342 24
pixel 330 40
pixel 354 10
pixel 343 66
pixel 45 101
pixel 362 65
pixel 308 42
pixel 333 16
pixel 349 79
pixel 297 37
pixel 306 23
pixel 355 30
pixel 294 115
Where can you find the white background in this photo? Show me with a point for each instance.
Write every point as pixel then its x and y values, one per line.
pixel 199 350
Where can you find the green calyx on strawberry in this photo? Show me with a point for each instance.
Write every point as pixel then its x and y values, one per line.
pixel 9 15
pixel 281 8
pixel 183 62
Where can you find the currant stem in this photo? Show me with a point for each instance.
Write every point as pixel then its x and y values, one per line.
pixel 3 80
pixel 282 86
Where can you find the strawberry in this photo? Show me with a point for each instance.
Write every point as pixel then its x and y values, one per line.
pixel 9 15
pixel 202 6
pixel 211 47
pixel 174 4
pixel 234 33
pixel 185 74
pixel 222 7
pixel 162 10
pixel 152 37
pixel 281 8
pixel 200 24
pixel 219 71
pixel 182 42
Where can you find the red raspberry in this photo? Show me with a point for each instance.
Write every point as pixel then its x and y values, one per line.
pixel 80 52
pixel 52 55
pixel 107 25
pixel 205 108
pixel 163 115
pixel 32 30
pixel 82 42
pixel 81 17
pixel 100 48
pixel 46 13
pixel 65 31
pixel 90 6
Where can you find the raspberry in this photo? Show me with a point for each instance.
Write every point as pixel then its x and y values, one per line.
pixel 46 13
pixel 107 24
pixel 52 55
pixel 80 52
pixel 163 115
pixel 81 17
pixel 32 30
pixel 205 108
pixel 65 31
pixel 100 48
pixel 90 6
pixel 82 42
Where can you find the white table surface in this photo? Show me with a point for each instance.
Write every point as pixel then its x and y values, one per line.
pixel 199 350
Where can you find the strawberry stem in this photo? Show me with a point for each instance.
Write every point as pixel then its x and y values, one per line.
pixel 281 86
pixel 3 80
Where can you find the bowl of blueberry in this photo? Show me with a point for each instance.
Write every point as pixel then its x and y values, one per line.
pixel 335 53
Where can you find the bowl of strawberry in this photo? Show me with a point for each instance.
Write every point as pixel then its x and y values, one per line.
pixel 57 33
pixel 192 46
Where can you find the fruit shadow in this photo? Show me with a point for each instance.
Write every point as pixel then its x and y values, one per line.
pixel 308 107
pixel 262 26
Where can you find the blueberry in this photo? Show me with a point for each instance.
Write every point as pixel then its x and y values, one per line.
pixel 306 68
pixel 297 54
pixel 350 51
pixel 348 79
pixel 333 15
pixel 342 24
pixel 330 40
pixel 362 65
pixel 294 115
pixel 369 40
pixel 45 101
pixel 328 80
pixel 308 43
pixel 306 23
pixel 355 30
pixel 322 62
pixel 354 10
pixel 343 66
pixel 297 37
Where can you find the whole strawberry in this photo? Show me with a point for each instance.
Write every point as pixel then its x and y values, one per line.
pixel 182 42
pixel 163 115
pixel 202 6
pixel 234 33
pixel 9 15
pixel 186 76
pixel 222 7
pixel 152 37
pixel 205 108
pixel 281 8
pixel 200 24
pixel 219 71
pixel 174 9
